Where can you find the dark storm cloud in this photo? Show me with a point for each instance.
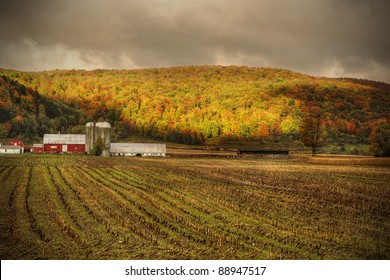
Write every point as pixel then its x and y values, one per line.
pixel 329 37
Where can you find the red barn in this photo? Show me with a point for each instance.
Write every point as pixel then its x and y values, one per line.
pixel 38 149
pixel 64 143
pixel 18 142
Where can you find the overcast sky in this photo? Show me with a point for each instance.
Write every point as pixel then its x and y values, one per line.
pixel 317 37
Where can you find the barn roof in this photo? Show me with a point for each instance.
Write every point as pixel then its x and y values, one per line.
pixel 8 147
pixel 99 124
pixel 138 148
pixel 64 139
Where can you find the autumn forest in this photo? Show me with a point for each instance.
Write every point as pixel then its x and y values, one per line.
pixel 208 105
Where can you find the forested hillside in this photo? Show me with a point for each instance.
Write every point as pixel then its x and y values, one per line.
pixel 26 114
pixel 208 104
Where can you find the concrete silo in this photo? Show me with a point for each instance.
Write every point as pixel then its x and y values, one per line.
pixel 103 132
pixel 100 131
pixel 89 137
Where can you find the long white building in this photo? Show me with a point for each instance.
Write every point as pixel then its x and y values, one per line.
pixel 137 149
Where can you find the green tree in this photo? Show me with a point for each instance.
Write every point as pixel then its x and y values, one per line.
pixel 3 132
pixel 60 124
pixel 98 147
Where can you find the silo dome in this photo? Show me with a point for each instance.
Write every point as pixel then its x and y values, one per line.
pixel 103 124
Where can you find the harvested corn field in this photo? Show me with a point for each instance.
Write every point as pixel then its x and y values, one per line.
pixel 79 207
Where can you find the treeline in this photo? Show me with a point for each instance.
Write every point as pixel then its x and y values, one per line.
pixel 198 104
pixel 26 114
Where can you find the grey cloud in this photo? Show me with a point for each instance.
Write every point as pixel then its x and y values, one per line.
pixel 312 36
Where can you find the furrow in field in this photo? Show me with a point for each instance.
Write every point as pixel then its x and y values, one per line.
pixel 73 209
pixel 28 235
pixel 81 193
pixel 111 233
pixel 218 198
pixel 260 218
pixel 30 202
pixel 51 216
pixel 176 208
pixel 206 223
pixel 163 225
pixel 57 211
pixel 119 219
pixel 217 218
pixel 5 173
pixel 8 191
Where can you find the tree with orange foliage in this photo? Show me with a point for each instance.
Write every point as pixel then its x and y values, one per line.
pixel 312 130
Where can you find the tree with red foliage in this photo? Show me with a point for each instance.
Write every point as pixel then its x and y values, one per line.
pixel 380 138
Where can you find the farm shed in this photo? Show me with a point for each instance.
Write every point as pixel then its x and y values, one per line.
pixel 137 149
pixel 263 153
pixel 6 149
pixel 64 143
pixel 38 149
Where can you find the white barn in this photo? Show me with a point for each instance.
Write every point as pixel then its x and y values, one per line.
pixel 137 149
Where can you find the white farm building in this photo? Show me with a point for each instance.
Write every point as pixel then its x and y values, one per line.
pixel 5 149
pixel 137 149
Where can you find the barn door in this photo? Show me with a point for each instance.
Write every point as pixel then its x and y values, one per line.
pixel 64 148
